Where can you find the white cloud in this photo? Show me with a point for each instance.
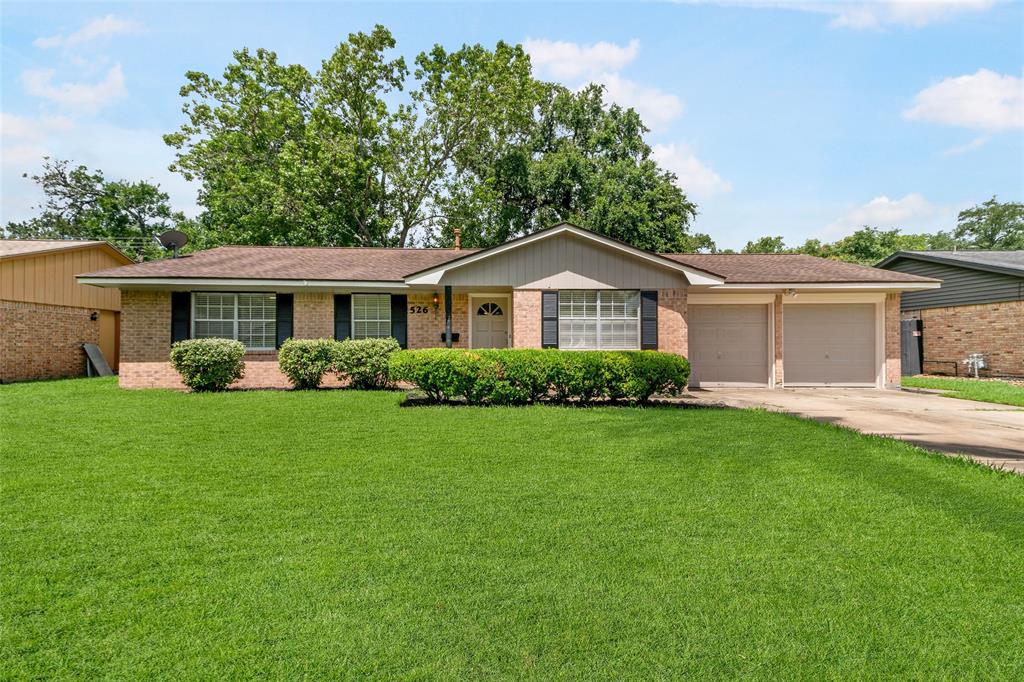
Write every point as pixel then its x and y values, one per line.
pixel 104 27
pixel 694 177
pixel 983 101
pixel 577 65
pixel 868 14
pixel 81 96
pixel 655 107
pixel 17 127
pixel 563 60
pixel 121 153
pixel 912 213
pixel 976 143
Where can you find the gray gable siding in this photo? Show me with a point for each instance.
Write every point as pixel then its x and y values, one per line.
pixel 960 286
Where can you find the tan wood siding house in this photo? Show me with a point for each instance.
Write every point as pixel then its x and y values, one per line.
pixel 46 315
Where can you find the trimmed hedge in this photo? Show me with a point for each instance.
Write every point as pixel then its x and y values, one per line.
pixel 306 361
pixel 520 376
pixel 366 362
pixel 208 364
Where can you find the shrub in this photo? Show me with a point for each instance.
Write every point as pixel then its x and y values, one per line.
pixel 366 362
pixel 508 377
pixel 442 373
pixel 579 375
pixel 652 372
pixel 306 361
pixel 208 364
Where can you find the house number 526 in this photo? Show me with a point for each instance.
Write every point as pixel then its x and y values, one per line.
pixel 417 309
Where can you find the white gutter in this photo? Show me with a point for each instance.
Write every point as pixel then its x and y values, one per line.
pixel 221 282
pixel 901 286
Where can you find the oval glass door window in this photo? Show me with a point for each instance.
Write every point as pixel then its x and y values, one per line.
pixel 489 309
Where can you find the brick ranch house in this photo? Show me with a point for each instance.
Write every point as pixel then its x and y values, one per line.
pixel 757 320
pixel 979 309
pixel 46 316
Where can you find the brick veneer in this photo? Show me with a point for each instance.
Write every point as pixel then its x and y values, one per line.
pixel 425 329
pixel 313 315
pixel 526 318
pixel 146 341
pixel 673 335
pixel 995 330
pixel 893 359
pixel 40 341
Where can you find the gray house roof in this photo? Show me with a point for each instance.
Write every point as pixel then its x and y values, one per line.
pixel 968 277
pixel 1007 262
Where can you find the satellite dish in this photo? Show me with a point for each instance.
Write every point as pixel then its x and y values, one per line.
pixel 173 239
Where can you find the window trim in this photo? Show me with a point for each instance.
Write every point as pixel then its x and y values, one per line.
pixel 234 320
pixel 352 316
pixel 599 319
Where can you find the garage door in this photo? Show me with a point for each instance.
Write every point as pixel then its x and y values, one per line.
pixel 728 345
pixel 830 345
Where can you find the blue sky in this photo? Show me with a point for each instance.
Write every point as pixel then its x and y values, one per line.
pixel 780 116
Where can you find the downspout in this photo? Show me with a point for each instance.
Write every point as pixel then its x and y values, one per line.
pixel 448 315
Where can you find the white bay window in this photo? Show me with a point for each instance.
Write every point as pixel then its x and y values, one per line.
pixel 249 318
pixel 599 320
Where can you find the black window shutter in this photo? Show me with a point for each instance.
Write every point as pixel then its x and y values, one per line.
pixel 549 319
pixel 399 325
pixel 649 320
pixel 285 317
pixel 342 316
pixel 181 315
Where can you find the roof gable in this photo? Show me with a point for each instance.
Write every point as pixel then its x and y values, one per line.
pixel 550 236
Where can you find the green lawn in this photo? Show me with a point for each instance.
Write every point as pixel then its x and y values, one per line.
pixel 336 534
pixel 971 389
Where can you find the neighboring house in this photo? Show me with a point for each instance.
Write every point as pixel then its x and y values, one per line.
pixel 46 316
pixel 978 309
pixel 759 320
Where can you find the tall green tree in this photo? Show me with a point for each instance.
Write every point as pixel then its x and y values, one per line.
pixel 991 225
pixel 585 161
pixel 83 204
pixel 338 157
pixel 766 245
pixel 285 156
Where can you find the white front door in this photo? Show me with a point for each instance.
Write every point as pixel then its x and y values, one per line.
pixel 490 322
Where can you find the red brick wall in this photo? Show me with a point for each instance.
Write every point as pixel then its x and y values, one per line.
pixel 146 342
pixel 313 315
pixel 893 359
pixel 673 335
pixel 526 318
pixel 39 341
pixel 995 330
pixel 425 329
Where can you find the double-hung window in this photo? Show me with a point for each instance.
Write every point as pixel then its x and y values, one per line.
pixel 599 320
pixel 249 318
pixel 371 316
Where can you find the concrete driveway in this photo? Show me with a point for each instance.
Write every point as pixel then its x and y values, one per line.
pixel 989 433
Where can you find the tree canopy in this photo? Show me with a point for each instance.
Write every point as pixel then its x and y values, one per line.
pixel 990 225
pixel 83 204
pixel 345 156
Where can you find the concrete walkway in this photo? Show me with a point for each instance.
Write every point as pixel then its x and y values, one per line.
pixel 989 433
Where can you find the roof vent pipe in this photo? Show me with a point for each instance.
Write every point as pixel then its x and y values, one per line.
pixel 458 238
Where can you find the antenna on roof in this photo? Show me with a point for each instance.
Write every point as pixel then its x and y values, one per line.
pixel 174 240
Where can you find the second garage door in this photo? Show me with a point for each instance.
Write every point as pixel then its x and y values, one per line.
pixel 829 345
pixel 728 345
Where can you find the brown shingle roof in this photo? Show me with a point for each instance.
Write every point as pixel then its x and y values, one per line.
pixel 392 265
pixel 787 268
pixel 291 262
